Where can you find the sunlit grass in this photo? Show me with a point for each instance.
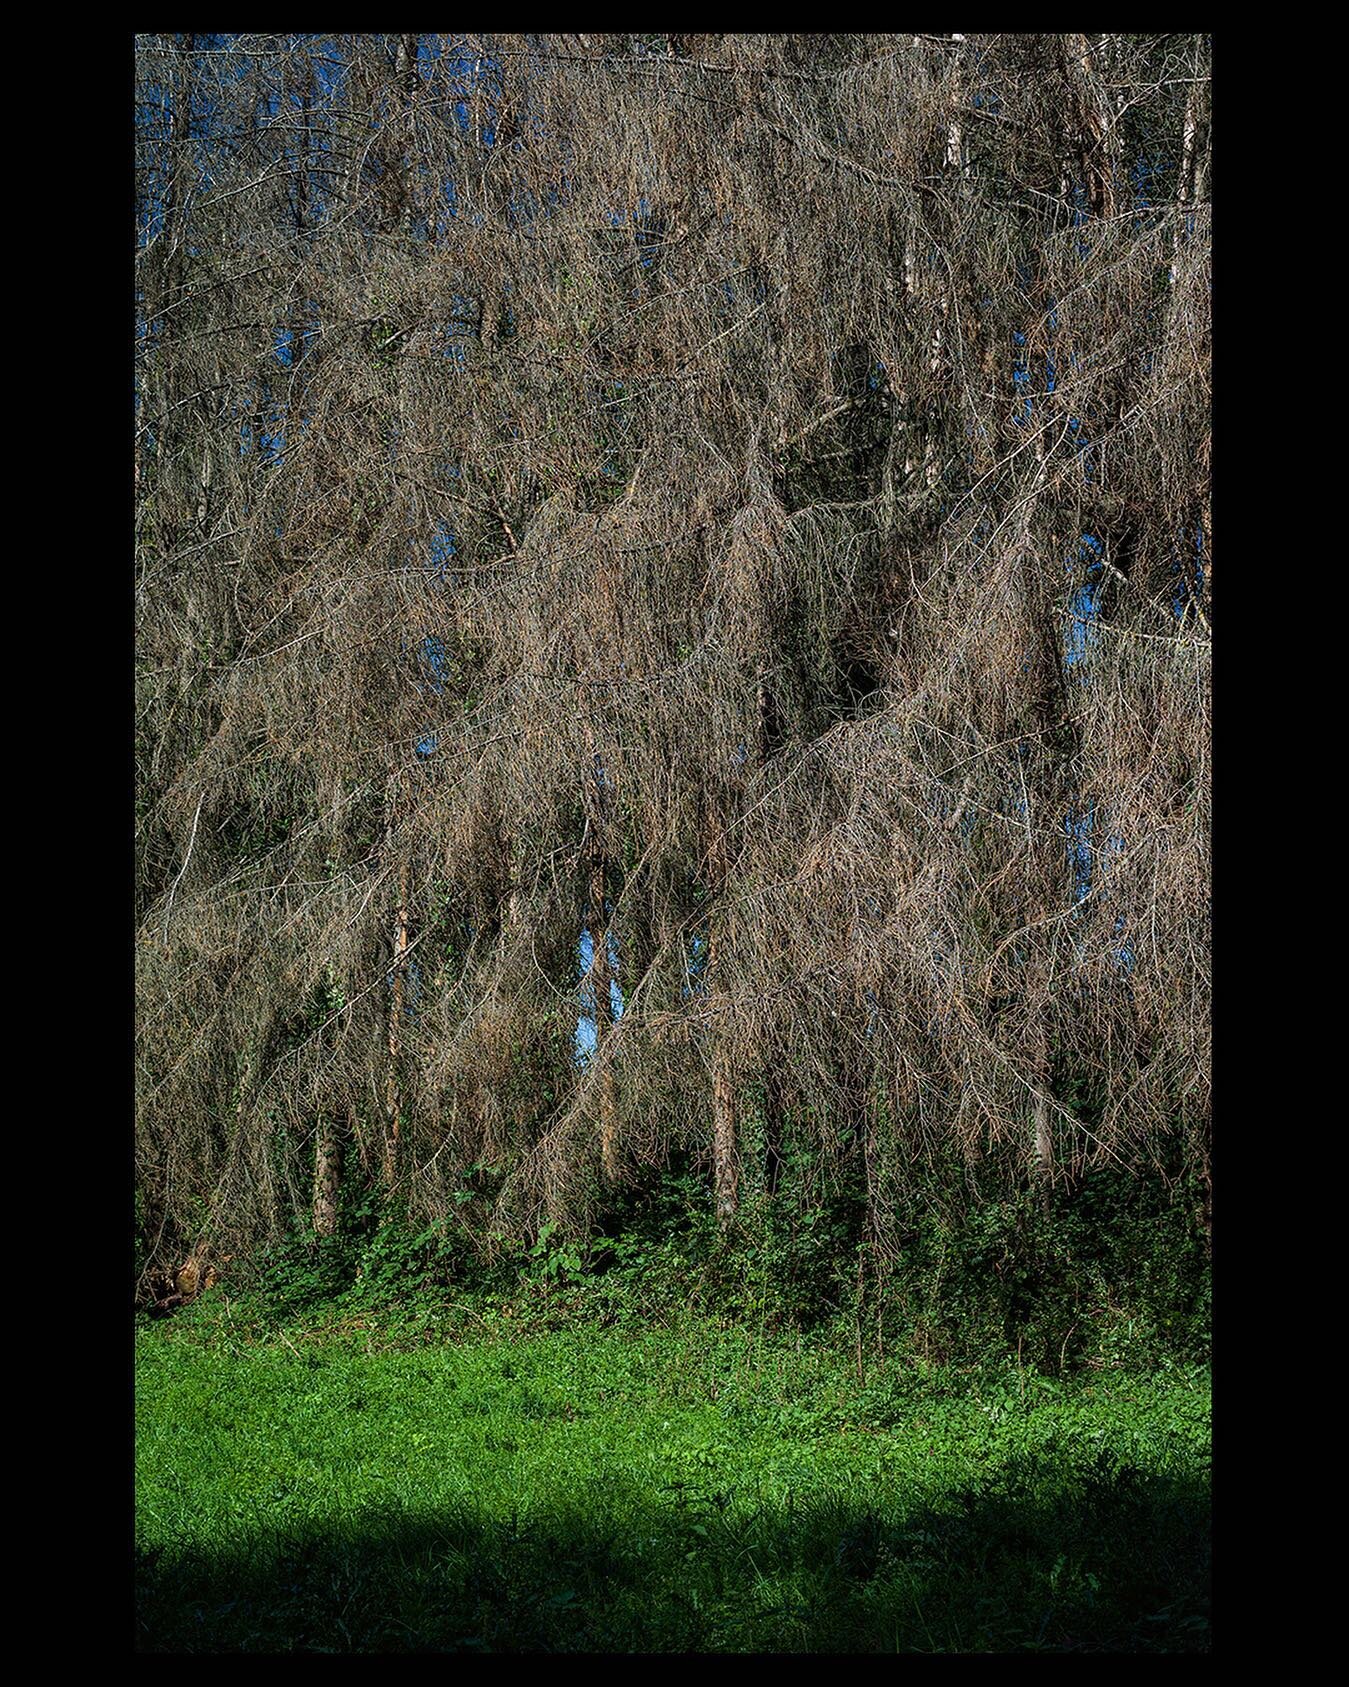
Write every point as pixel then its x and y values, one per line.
pixel 687 1490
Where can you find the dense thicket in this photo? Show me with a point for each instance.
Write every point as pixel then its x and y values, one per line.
pixel 702 536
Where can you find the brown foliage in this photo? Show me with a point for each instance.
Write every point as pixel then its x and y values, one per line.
pixel 764 613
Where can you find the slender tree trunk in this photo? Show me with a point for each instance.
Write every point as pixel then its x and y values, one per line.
pixel 1098 142
pixel 725 1158
pixel 904 396
pixel 938 354
pixel 1193 182
pixel 405 74
pixel 393 1099
pixel 398 947
pixel 1044 1147
pixel 327 1175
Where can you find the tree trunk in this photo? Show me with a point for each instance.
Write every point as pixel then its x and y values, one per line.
pixel 327 1175
pixel 398 946
pixel 1096 129
pixel 1193 181
pixel 725 1167
pixel 725 1162
pixel 1044 1148
pixel 393 1099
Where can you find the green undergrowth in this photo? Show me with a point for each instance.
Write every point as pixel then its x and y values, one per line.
pixel 357 1484
pixel 1111 1274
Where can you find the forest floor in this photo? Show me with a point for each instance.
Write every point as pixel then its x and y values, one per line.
pixel 687 1489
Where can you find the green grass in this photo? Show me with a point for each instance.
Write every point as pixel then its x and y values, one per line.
pixel 694 1489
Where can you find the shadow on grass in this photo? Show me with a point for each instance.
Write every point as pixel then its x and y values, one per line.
pixel 1115 1561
